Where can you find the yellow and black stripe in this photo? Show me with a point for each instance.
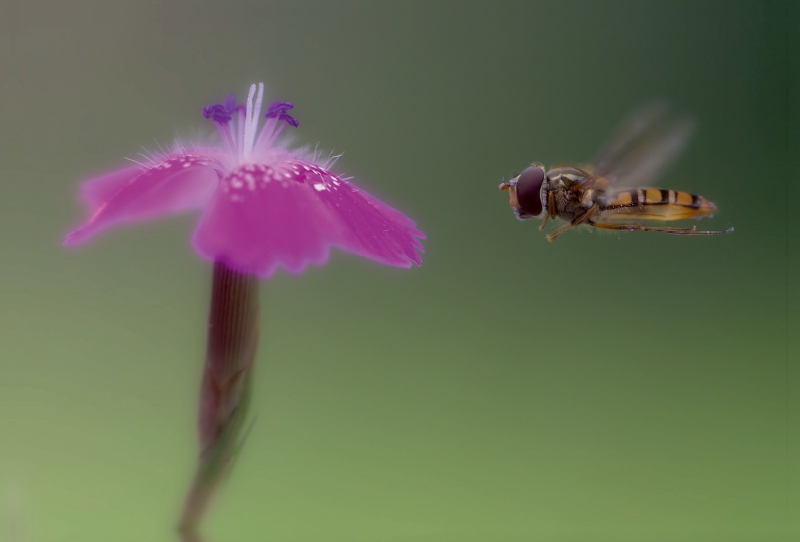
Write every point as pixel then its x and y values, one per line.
pixel 657 204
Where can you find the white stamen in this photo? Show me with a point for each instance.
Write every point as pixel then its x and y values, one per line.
pixel 248 129
pixel 257 111
pixel 240 128
pixel 253 112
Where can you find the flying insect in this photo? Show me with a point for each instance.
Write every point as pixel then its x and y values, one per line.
pixel 610 192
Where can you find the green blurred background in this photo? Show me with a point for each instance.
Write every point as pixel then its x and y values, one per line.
pixel 603 387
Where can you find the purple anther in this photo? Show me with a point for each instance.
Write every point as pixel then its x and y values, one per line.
pixel 217 113
pixel 230 103
pixel 279 109
pixel 275 109
pixel 222 113
pixel 290 120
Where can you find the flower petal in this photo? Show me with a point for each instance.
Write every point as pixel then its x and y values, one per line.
pixel 261 218
pixel 366 226
pixel 97 191
pixel 289 215
pixel 180 182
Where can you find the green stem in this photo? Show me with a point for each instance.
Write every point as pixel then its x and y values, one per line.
pixel 225 392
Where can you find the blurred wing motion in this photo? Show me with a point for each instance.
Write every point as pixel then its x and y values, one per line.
pixel 642 149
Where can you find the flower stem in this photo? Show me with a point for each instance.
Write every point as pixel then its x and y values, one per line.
pixel 225 392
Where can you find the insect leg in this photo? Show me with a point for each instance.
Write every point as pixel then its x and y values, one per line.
pixel 577 221
pixel 551 210
pixel 559 231
pixel 637 226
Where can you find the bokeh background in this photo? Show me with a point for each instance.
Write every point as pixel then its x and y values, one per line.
pixel 603 387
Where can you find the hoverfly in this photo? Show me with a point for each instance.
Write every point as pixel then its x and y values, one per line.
pixel 609 193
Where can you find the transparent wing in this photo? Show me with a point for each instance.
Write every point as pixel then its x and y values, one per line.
pixel 643 147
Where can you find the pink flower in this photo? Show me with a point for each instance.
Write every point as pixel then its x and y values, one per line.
pixel 264 205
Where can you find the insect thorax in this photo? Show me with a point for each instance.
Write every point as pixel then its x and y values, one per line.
pixel 569 200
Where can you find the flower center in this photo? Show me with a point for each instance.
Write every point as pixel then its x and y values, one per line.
pixel 238 124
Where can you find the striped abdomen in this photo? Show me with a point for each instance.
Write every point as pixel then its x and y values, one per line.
pixel 652 203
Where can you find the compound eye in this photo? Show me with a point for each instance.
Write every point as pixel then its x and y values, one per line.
pixel 529 186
